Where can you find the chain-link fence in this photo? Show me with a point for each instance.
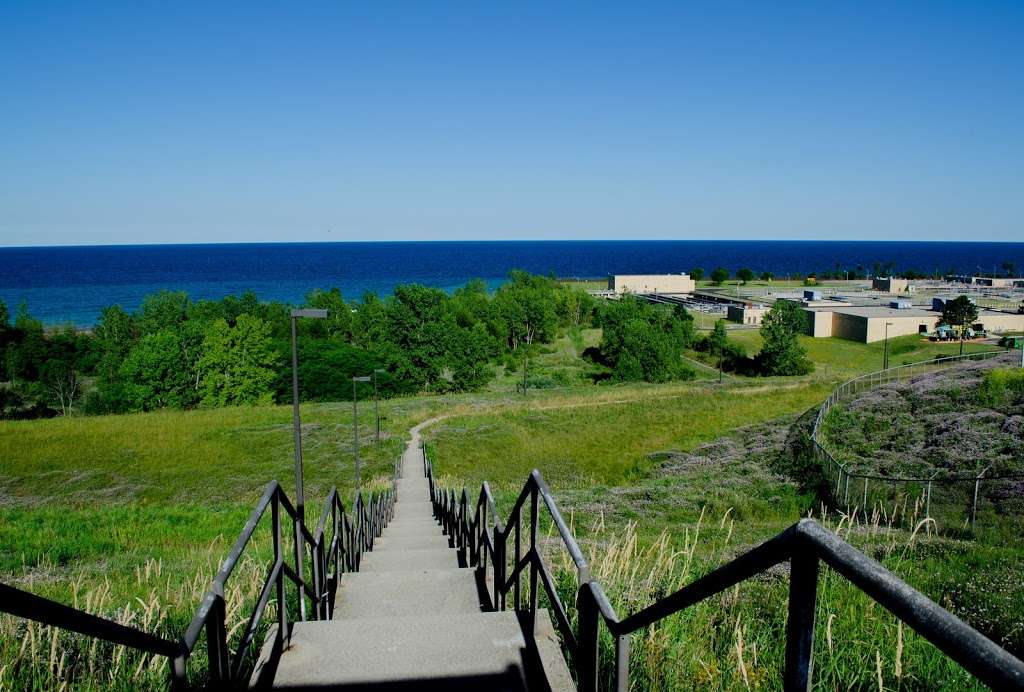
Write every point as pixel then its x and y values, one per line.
pixel 946 498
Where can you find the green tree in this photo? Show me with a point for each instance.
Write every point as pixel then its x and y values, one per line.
pixel 640 342
pixel 719 275
pixel 469 366
pixel 526 306
pixel 745 275
pixel 163 310
pixel 5 317
pixel 718 342
pixel 153 374
pixel 575 307
pixel 781 352
pixel 697 273
pixel 370 322
pixel 338 324
pixel 959 313
pixel 27 346
pixel 237 364
pixel 767 276
pixel 62 384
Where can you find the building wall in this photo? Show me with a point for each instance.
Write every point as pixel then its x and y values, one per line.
pixel 745 315
pixel 852 327
pixel 651 283
pixel 1000 322
pixel 890 285
pixel 819 323
pixel 874 327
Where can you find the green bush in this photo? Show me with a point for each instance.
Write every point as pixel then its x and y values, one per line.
pixel 998 383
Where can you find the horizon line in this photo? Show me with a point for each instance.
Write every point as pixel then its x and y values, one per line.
pixel 510 240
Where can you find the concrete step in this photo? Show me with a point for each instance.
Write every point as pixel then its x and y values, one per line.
pixel 417 511
pixel 480 651
pixel 391 594
pixel 414 522
pixel 431 540
pixel 409 560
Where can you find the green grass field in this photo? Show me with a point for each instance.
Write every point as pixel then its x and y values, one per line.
pixel 103 511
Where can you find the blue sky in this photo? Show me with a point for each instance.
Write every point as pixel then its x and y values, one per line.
pixel 218 122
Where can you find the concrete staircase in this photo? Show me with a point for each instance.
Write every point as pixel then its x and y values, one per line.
pixel 413 618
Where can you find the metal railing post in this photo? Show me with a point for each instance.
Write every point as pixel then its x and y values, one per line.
pixel 587 639
pixel 518 557
pixel 536 554
pixel 622 663
pixel 499 569
pixel 217 640
pixel 300 559
pixel 803 596
pixel 282 607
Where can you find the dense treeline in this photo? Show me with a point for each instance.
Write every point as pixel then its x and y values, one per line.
pixel 178 353
pixel 174 352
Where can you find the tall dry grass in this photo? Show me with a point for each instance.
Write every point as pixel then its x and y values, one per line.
pixel 736 639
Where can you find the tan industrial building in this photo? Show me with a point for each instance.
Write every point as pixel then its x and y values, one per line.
pixel 651 283
pixel 747 314
pixel 867 324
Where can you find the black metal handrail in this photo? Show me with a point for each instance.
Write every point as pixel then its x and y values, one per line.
pixel 351 534
pixel 804 545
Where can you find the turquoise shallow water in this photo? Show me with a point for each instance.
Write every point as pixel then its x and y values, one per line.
pixel 72 284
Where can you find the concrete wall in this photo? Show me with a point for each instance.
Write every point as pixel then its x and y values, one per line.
pixel 651 283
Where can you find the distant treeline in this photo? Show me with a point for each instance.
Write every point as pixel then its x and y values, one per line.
pixel 720 275
pixel 174 352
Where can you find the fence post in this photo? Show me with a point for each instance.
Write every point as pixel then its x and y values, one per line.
pixel 587 637
pixel 974 505
pixel 864 506
pixel 928 505
pixel 803 596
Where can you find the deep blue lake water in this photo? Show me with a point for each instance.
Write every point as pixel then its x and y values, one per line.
pixel 72 284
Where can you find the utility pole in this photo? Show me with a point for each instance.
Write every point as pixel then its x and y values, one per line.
pixel 355 425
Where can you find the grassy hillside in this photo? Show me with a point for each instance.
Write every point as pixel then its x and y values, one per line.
pixel 102 511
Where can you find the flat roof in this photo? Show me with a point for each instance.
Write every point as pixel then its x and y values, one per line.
pixel 884 311
pixel 877 311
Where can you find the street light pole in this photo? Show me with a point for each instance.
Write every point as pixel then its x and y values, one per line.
pixel 885 358
pixel 376 406
pixel 355 425
pixel 300 502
